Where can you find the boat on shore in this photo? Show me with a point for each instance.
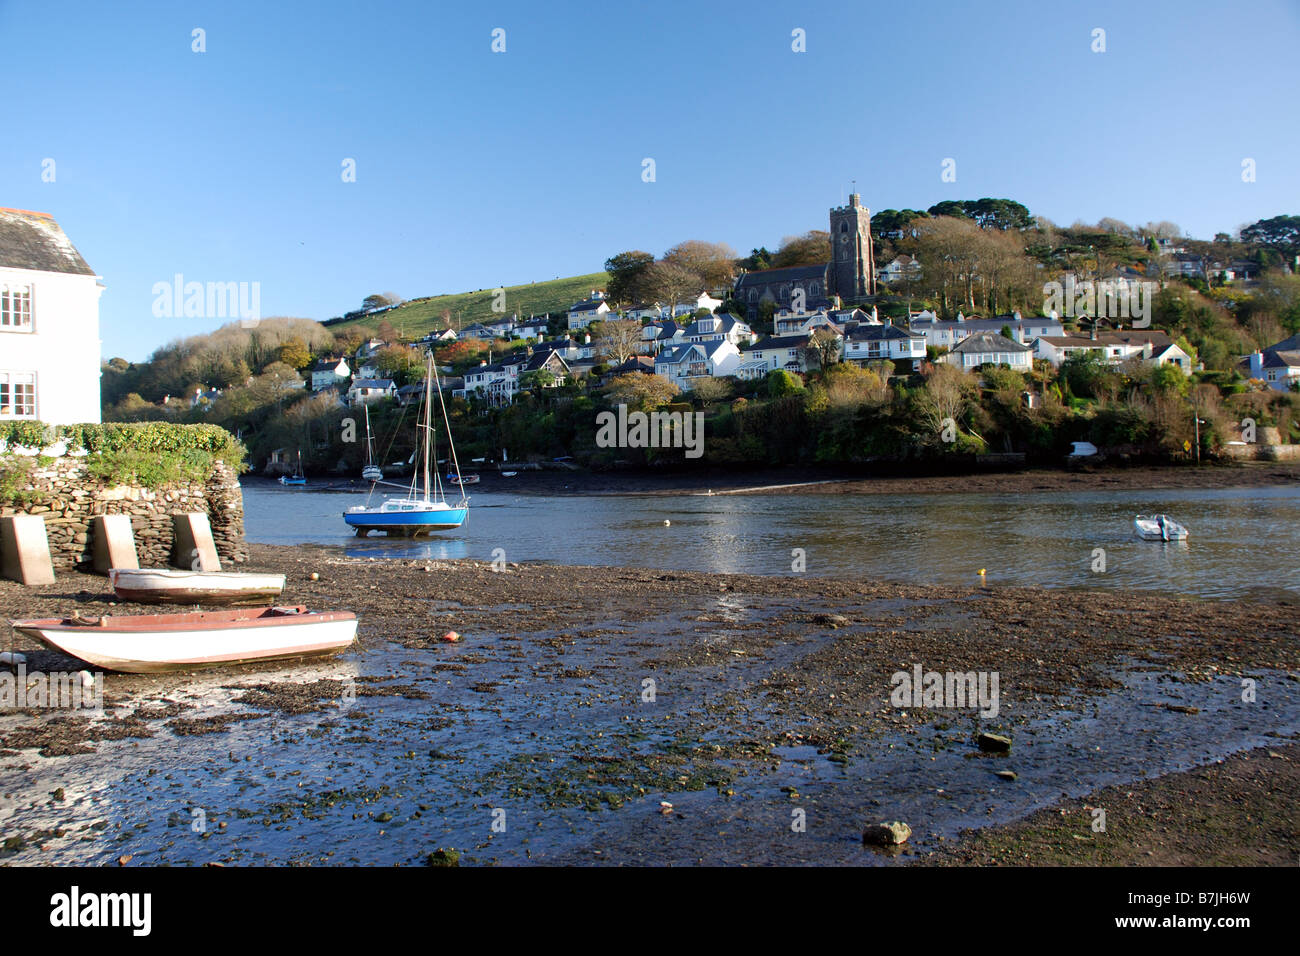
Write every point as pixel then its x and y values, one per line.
pixel 1158 528
pixel 171 586
pixel 297 478
pixel 424 511
pixel 157 643
pixel 462 479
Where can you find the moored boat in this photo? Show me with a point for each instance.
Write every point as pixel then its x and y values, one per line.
pixel 155 643
pixel 171 586
pixel 1158 528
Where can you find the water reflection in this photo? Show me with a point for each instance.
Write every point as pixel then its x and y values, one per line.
pixel 1242 539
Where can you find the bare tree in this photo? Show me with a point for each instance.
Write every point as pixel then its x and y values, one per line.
pixel 619 340
pixel 672 282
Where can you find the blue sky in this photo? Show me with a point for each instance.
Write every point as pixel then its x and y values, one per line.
pixel 475 168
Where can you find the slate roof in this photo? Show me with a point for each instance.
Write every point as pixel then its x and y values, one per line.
pixel 588 305
pixel 875 333
pixel 988 342
pixel 677 354
pixel 33 240
pixel 781 342
pixel 1282 358
pixel 789 274
pixel 384 383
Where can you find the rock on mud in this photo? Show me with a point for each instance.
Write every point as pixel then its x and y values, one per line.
pixel 886 834
pixel 994 743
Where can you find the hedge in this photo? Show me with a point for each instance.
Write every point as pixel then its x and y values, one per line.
pixel 149 437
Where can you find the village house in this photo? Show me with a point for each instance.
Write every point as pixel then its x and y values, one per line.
pixel 788 352
pixel 718 328
pixel 327 372
pixel 692 305
pixel 49 323
pixel 902 267
pixel 1278 365
pixel 691 360
pixel 436 336
pixel 872 343
pixel 660 335
pixel 363 391
pixel 582 314
pixel 641 313
pixel 533 328
pixel 478 331
pixel 498 383
pixel 984 348
pixel 940 333
pixel 1115 348
pixel 803 323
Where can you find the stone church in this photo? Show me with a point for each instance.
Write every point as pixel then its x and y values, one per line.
pixel 850 275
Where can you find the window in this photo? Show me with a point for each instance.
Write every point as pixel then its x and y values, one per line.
pixel 17 394
pixel 16 308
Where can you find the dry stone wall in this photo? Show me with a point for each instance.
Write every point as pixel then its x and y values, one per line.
pixel 67 498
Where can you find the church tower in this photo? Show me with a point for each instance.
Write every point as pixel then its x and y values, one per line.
pixel 853 264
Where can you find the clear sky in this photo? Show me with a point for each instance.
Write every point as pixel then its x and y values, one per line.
pixel 476 169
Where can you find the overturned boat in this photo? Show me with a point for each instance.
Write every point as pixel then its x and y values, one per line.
pixel 170 586
pixel 155 643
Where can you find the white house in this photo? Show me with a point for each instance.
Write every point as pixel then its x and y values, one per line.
pixel 989 348
pixel 49 323
pixel 363 391
pixel 1278 365
pixel 718 328
pixel 642 312
pixel 872 343
pixel 803 323
pixel 693 305
pixel 789 352
pixel 582 314
pixel 696 360
pixel 902 267
pixel 945 334
pixel 329 371
pixel 1114 348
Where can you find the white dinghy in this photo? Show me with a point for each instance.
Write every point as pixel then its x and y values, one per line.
pixel 169 586
pixel 155 643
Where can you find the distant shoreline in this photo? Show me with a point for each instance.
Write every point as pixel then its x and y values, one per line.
pixel 858 480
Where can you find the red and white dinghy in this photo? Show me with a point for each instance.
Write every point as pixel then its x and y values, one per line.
pixel 170 586
pixel 153 643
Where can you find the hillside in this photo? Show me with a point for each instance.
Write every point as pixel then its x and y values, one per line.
pixel 418 316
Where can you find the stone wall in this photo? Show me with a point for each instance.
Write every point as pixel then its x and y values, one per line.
pixel 67 498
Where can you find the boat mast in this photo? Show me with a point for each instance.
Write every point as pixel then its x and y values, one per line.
pixel 443 402
pixel 428 419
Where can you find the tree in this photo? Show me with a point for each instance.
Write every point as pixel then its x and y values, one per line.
pixel 618 340
pixel 294 353
pixel 713 262
pixel 380 300
pixel 890 221
pixel 672 282
pixel 386 332
pixel 812 248
pixel 708 390
pixel 756 261
pixel 823 348
pixel 627 272
pixel 638 390
pixel 943 400
pixel 1281 234
pixel 781 383
pixel 399 363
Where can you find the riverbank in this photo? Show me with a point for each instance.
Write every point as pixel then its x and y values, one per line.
pixel 580 701
pixel 862 481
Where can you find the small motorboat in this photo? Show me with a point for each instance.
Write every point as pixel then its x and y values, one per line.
pixel 1158 528
pixel 508 474
pixel 456 479
pixel 169 586
pixel 155 643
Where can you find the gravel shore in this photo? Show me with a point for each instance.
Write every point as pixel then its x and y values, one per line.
pixel 606 692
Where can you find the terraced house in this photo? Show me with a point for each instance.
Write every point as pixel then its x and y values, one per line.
pixel 49 323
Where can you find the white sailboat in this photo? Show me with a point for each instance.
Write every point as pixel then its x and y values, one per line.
pixel 419 512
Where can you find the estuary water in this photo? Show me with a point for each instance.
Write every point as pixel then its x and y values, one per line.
pixel 1244 542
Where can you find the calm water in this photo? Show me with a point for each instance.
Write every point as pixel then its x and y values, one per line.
pixel 1243 541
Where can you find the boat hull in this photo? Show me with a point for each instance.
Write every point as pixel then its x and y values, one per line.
pixel 168 586
pixel 1148 529
pixel 406 523
pixel 158 643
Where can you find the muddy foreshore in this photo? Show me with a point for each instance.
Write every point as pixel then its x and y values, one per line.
pixel 582 700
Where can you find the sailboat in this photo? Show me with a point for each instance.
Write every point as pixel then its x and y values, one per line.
pixel 297 478
pixel 418 513
pixel 371 472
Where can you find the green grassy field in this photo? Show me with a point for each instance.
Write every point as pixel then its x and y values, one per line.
pixel 415 318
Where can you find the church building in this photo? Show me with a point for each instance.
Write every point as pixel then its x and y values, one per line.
pixel 850 275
